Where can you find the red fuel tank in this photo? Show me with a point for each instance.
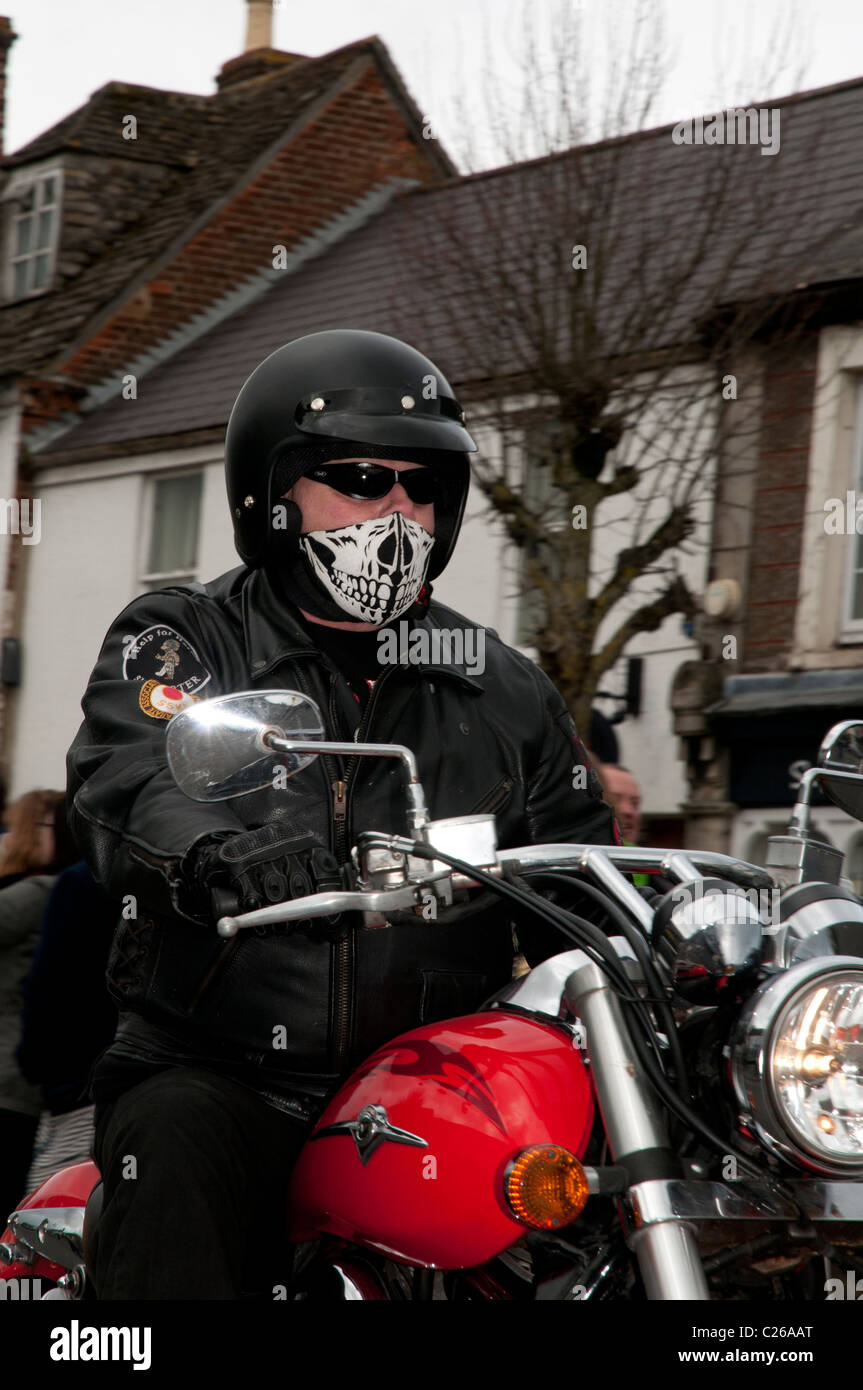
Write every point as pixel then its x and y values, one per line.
pixel 464 1097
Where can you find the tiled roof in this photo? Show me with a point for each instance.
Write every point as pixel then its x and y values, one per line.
pixel 205 145
pixel 687 228
pixel 170 126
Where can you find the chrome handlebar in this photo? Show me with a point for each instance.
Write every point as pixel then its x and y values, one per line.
pixel 606 863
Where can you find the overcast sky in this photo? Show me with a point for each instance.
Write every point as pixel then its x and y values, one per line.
pixel 720 55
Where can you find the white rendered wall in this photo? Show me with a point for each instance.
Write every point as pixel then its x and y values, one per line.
pixel 480 580
pixel 81 575
pixel 676 429
pixel 818 637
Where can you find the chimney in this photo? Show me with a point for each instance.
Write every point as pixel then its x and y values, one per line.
pixel 258 58
pixel 259 25
pixel 7 38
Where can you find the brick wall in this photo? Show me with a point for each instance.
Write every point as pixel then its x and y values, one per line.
pixel 779 504
pixel 357 141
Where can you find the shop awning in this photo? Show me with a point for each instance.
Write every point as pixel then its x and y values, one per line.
pixel 786 691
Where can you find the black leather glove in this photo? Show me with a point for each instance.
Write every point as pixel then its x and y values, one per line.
pixel 259 867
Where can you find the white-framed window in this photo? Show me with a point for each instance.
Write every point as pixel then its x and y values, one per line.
pixel 852 598
pixel 32 231
pixel 171 531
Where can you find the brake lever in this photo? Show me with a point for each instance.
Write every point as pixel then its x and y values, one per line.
pixel 324 905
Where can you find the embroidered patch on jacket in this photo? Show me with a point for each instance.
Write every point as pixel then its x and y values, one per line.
pixel 162 654
pixel 164 701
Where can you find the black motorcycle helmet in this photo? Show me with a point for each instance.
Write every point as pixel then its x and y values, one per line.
pixel 314 398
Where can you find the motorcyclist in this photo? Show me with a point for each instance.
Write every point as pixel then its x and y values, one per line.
pixel 347 478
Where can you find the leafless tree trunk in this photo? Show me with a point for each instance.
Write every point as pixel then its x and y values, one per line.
pixel 596 293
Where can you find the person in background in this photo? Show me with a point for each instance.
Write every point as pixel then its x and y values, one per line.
pixel 68 1017
pixel 27 844
pixel 623 795
pixel 28 864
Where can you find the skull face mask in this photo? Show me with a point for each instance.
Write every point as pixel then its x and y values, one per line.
pixel 374 570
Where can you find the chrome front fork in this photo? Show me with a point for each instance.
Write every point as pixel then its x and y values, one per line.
pixel 666 1249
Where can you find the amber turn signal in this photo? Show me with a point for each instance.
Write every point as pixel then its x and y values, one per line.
pixel 546 1187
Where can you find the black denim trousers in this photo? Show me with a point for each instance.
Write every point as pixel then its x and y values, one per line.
pixel 195 1170
pixel 17 1133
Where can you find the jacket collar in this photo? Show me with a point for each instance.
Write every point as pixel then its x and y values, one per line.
pixel 272 630
pixel 274 633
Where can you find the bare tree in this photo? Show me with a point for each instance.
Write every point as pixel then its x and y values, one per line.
pixel 597 298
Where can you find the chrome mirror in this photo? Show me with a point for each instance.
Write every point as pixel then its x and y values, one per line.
pixel 841 753
pixel 221 748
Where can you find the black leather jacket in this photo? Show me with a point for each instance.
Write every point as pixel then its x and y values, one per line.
pixel 299 1008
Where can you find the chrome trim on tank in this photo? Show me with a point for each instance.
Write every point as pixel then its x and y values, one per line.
pixel 541 991
pixel 55 1232
pixel 370 1129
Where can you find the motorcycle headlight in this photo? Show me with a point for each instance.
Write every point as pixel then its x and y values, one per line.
pixel 797 1064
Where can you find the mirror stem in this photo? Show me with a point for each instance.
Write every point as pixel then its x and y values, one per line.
pixel 799 822
pixel 418 817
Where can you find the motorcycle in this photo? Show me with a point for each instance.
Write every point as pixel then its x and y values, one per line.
pixel 669 1108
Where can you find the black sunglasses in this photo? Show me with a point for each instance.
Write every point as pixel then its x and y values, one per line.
pixel 369 482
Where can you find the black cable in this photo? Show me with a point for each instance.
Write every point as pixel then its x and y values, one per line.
pixel 586 935
pixel 642 951
pixel 609 961
pixel 557 916
pixel 599 951
pixel 605 957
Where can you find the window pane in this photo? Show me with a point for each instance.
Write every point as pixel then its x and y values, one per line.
pixel 176 515
pixel 540 492
pixel 48 187
pixel 26 201
pixel 25 236
pixel 40 277
pixel 21 278
pixel 45 221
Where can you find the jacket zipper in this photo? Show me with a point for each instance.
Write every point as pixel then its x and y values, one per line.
pixel 493 799
pixel 340 785
pixel 342 945
pixel 332 764
pixel 343 965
